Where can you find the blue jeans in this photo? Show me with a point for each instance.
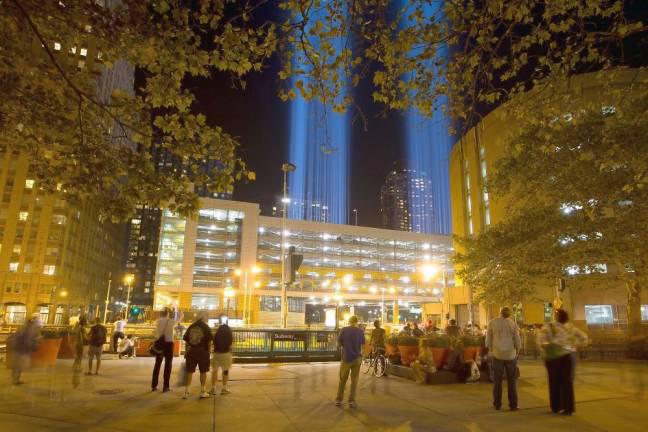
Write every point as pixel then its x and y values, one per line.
pixel 499 368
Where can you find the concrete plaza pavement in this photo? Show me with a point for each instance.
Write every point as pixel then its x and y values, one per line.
pixel 299 397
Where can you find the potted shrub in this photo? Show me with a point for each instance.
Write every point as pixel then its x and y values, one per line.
pixel 48 349
pixel 391 346
pixel 471 346
pixel 408 346
pixel 440 346
pixel 66 351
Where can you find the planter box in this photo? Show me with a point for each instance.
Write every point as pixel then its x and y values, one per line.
pixel 440 355
pixel 391 350
pixel 408 354
pixel 46 353
pixel 66 350
pixel 470 353
pixel 142 347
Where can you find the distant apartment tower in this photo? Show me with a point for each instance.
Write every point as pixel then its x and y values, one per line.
pixel 144 231
pixel 406 201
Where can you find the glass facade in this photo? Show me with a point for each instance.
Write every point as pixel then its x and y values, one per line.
pixel 218 247
pixel 171 250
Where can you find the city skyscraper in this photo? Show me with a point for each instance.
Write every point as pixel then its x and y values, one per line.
pixel 406 200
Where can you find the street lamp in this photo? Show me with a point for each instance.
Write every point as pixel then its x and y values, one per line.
pixel 355 213
pixel 247 291
pixel 128 280
pixel 286 168
pixel 228 293
pixel 107 298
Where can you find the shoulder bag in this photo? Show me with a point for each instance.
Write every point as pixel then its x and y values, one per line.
pixel 157 347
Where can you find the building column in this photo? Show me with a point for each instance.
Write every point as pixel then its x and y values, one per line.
pixel 395 319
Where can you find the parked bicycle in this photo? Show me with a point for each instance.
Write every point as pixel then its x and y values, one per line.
pixel 375 362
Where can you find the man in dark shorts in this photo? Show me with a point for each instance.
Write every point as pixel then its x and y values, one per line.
pixel 197 338
pixel 97 339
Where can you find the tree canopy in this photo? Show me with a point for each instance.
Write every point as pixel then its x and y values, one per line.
pixel 416 53
pixel 576 194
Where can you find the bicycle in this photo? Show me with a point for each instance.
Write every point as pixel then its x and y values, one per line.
pixel 375 362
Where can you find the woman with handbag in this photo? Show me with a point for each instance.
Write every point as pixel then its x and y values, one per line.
pixel 162 348
pixel 559 341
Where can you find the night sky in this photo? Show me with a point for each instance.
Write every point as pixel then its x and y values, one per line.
pixel 260 122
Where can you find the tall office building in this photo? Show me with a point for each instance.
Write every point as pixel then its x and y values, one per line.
pixel 144 232
pixel 406 201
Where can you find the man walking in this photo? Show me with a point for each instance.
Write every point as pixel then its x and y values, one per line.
pixel 503 343
pixel 118 332
pixel 222 356
pixel 25 342
pixel 97 339
pixel 197 338
pixel 164 335
pixel 351 339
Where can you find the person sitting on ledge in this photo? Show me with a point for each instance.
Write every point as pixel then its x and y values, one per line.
pixel 424 364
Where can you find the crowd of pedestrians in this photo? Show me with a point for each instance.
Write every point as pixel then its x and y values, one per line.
pixel 206 349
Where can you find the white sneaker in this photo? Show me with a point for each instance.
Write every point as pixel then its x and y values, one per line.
pixel 213 391
pixel 225 391
pixel 185 395
pixel 204 394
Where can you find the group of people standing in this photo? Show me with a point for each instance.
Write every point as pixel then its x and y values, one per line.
pixel 198 340
pixel 559 341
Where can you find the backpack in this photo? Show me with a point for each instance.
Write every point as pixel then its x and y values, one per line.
pixel 97 335
pixel 194 335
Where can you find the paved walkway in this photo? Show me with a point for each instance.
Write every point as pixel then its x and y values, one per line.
pixel 299 397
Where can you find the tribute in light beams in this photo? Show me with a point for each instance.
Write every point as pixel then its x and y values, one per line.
pixel 428 149
pixel 319 147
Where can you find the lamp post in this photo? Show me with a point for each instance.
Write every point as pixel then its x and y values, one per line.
pixel 128 280
pixel 429 271
pixel 247 291
pixel 228 293
pixel 286 168
pixel 107 298
pixel 355 213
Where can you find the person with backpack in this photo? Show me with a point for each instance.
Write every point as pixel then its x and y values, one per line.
pixel 222 357
pixel 24 343
pixel 197 340
pixel 80 332
pixel 162 348
pixel 96 340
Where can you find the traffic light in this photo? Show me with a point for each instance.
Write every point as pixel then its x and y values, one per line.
pixel 293 263
pixel 135 310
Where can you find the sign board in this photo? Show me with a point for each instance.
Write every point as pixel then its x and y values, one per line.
pixel 288 336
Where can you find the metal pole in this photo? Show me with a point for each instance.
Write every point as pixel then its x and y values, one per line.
pixel 284 306
pixel 107 298
pixel 245 298
pixel 128 301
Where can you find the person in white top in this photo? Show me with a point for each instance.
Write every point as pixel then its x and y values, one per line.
pixel 164 328
pixel 503 343
pixel 118 332
pixel 559 341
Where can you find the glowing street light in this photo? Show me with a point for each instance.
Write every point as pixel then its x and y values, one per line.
pixel 128 280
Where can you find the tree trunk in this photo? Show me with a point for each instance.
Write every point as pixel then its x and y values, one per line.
pixel 634 308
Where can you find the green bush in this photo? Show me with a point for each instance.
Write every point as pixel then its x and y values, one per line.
pixel 52 334
pixel 473 340
pixel 408 341
pixel 392 340
pixel 436 341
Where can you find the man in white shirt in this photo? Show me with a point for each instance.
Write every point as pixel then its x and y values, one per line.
pixel 164 327
pixel 118 332
pixel 503 343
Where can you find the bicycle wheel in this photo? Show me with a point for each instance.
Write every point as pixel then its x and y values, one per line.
pixel 366 365
pixel 380 366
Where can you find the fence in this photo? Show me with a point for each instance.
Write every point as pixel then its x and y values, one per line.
pixel 251 344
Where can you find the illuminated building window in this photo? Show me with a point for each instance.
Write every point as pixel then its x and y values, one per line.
pixel 49 269
pixel 29 183
pixel 83 52
pixel 57 46
pixel 13 267
pixel 468 198
pixel 485 197
pixel 23 215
